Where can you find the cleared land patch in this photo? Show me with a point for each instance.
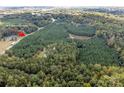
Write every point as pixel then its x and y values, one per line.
pixel 76 37
pixel 4 45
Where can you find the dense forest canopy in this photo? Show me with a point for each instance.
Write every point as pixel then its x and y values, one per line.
pixel 74 48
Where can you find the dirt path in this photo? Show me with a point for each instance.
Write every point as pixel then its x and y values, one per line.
pixel 6 45
pixel 14 43
pixel 72 36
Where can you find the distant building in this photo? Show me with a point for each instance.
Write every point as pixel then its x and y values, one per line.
pixel 38 14
pixel 53 20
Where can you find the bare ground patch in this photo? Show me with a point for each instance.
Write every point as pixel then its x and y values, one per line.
pixel 4 45
pixel 72 36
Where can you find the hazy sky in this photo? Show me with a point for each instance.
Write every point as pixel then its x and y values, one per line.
pixel 61 2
